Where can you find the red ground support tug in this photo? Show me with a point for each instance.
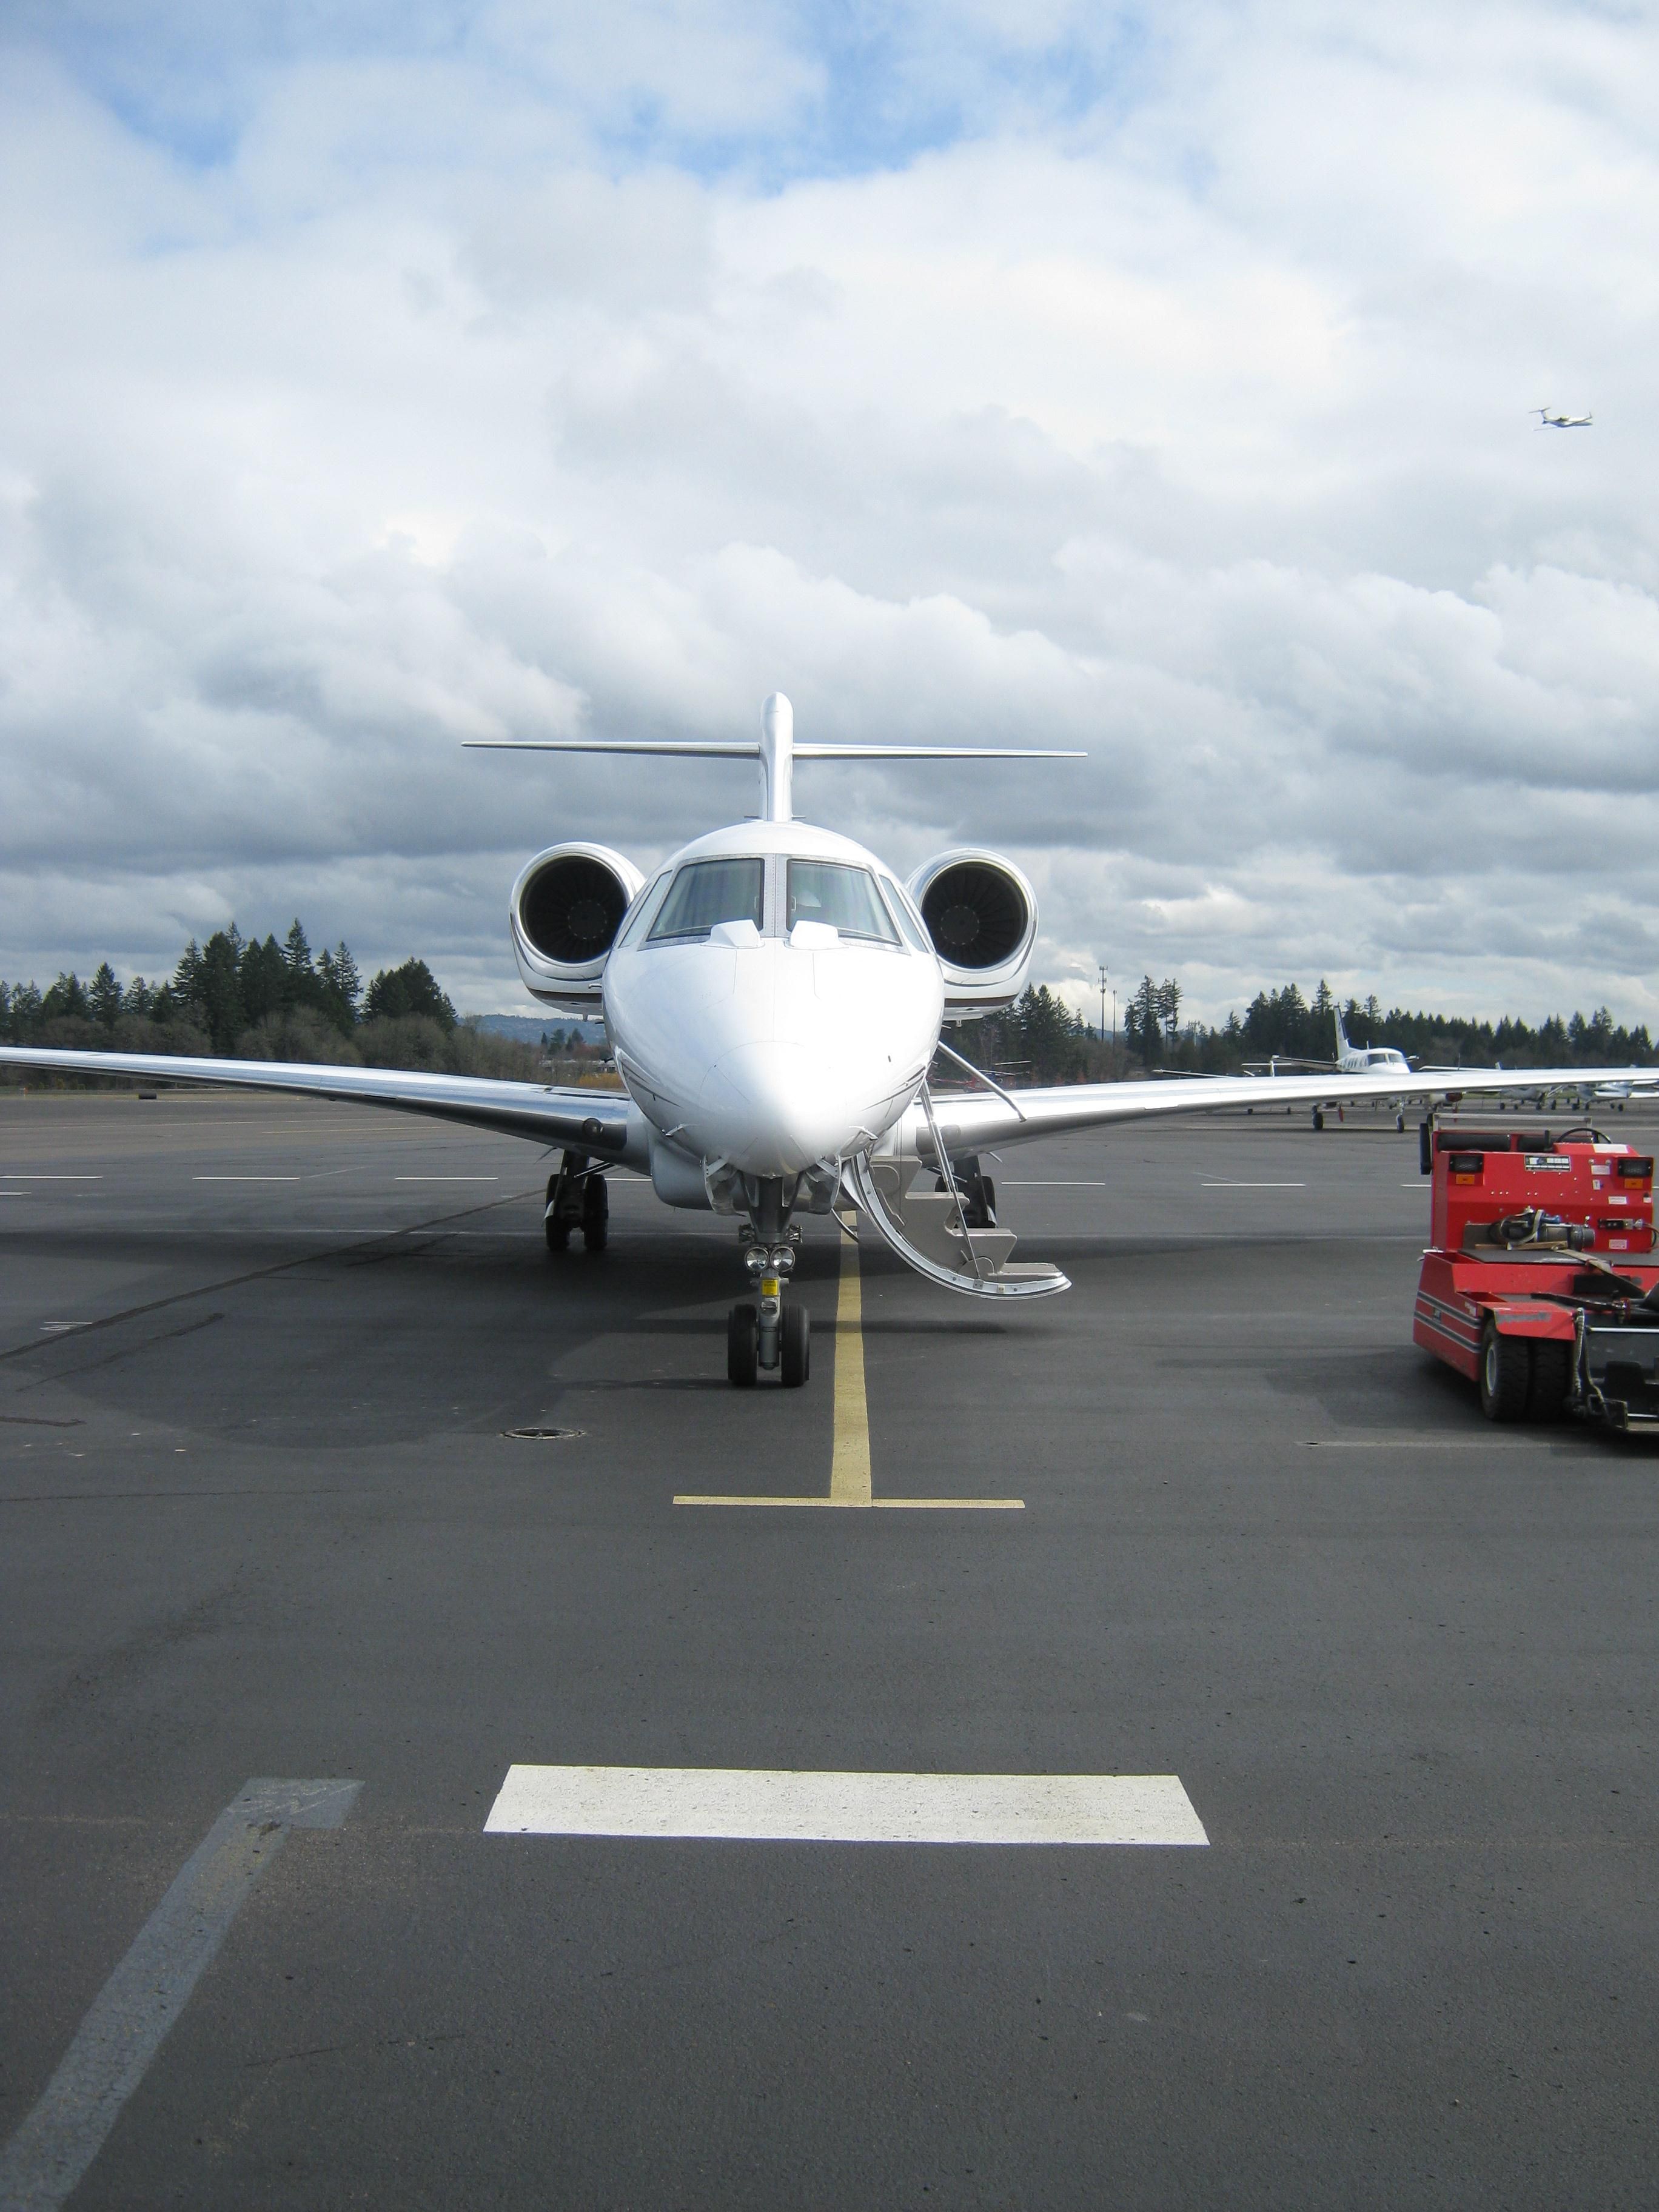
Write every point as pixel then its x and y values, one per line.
pixel 1541 1283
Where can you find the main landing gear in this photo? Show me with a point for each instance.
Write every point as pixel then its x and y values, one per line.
pixel 771 1334
pixel 578 1198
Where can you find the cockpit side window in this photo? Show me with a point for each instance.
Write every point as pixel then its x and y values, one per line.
pixel 646 904
pixel 826 890
pixel 908 920
pixel 708 892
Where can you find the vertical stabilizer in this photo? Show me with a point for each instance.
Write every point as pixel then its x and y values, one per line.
pixel 1343 1048
pixel 777 753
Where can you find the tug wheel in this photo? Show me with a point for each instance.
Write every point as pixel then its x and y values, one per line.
pixel 743 1346
pixel 1505 1376
pixel 795 1350
pixel 1552 1371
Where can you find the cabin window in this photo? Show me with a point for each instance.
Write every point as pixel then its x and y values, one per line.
pixel 847 898
pixel 708 892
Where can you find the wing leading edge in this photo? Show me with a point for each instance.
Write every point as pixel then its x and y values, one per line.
pixel 602 1122
pixel 979 1118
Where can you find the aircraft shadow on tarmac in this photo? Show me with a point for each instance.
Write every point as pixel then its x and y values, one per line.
pixel 342 1348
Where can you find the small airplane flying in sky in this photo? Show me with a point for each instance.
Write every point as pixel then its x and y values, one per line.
pixel 1548 421
pixel 774 996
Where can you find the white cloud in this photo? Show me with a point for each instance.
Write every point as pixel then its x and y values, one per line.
pixel 402 378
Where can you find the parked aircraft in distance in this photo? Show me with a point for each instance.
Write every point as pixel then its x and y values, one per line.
pixel 774 996
pixel 1547 421
pixel 1351 1058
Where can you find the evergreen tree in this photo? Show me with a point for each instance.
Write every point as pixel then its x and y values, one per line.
pixel 66 997
pixel 138 998
pixel 5 1013
pixel 104 996
pixel 186 987
pixel 27 1012
pixel 221 993
pixel 301 976
pixel 262 976
pixel 1142 1020
pixel 413 989
pixel 338 988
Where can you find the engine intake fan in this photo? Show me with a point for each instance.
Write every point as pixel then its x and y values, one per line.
pixel 567 905
pixel 981 915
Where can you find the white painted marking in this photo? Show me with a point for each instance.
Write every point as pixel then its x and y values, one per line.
pixel 1008 1183
pixel 219 1178
pixel 1426 1443
pixel 771 1807
pixel 27 1175
pixel 449 1178
pixel 60 1324
pixel 1253 1186
pixel 873 1504
pixel 133 2012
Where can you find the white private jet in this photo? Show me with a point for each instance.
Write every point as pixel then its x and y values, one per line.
pixel 1547 421
pixel 774 998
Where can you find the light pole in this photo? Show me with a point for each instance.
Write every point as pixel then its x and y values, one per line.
pixel 1102 1004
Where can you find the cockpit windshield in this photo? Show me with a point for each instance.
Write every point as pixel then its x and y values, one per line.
pixel 847 898
pixel 708 892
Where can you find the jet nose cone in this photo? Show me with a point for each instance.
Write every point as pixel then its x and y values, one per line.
pixel 775 1108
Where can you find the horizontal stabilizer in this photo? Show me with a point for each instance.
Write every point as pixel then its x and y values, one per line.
pixel 720 749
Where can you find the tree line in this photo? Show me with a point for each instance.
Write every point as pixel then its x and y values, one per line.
pixel 253 999
pixel 1282 1022
pixel 1041 1039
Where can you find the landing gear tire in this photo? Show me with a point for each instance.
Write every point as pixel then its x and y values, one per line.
pixel 596 1213
pixel 743 1346
pixel 1551 1372
pixel 1505 1376
pixel 1399 1122
pixel 1319 1117
pixel 795 1347
pixel 558 1232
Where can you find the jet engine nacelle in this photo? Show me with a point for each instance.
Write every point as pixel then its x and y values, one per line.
pixel 566 907
pixel 981 915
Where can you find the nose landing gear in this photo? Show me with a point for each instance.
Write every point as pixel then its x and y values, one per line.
pixel 772 1334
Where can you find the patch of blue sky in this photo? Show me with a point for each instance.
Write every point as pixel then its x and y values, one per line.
pixel 886 96
pixel 875 87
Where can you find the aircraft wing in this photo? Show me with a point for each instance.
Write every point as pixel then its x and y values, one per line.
pixel 972 1119
pixel 602 1122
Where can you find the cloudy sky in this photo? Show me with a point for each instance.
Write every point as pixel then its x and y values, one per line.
pixel 1149 379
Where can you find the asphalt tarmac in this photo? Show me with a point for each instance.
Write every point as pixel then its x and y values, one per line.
pixel 262 1518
